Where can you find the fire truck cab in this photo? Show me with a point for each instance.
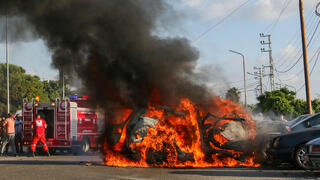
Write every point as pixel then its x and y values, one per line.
pixel 71 124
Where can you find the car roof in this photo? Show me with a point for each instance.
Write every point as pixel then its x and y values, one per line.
pixel 307 116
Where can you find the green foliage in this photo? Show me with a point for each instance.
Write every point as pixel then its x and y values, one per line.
pixel 316 105
pixel 23 85
pixel 54 89
pixel 284 102
pixel 300 107
pixel 278 101
pixel 233 94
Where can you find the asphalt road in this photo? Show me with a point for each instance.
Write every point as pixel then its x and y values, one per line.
pixel 89 167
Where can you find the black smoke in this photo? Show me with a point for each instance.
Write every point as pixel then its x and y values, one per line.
pixel 110 45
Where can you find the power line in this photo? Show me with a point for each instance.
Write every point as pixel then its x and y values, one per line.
pixel 312 59
pixel 248 86
pixel 300 49
pixel 219 22
pixel 314 65
pixel 311 22
pixel 301 55
pixel 317 53
pixel 240 81
pixel 285 6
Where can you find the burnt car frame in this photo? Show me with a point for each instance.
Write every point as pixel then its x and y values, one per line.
pixel 136 127
pixel 290 147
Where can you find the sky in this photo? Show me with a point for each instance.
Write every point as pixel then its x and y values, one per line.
pixel 214 27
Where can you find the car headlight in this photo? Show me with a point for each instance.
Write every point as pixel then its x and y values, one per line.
pixel 288 128
pixel 276 142
pixel 315 148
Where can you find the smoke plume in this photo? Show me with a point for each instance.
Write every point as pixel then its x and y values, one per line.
pixel 110 45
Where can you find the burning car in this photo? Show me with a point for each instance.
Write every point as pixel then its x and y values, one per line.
pixel 184 136
pixel 291 147
pixel 313 153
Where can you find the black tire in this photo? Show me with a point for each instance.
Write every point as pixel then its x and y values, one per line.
pixel 85 145
pixel 299 157
pixel 52 150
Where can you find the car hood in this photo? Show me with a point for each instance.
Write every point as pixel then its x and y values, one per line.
pixel 315 141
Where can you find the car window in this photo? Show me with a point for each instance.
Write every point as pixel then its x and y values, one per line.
pixel 300 126
pixel 297 119
pixel 315 121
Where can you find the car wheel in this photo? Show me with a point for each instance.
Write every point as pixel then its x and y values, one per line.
pixel 300 157
pixel 85 145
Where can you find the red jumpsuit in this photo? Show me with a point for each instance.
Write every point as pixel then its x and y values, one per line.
pixel 39 126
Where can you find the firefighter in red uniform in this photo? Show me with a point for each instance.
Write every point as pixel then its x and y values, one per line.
pixel 39 127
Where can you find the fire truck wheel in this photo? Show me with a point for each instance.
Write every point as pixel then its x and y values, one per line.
pixel 85 145
pixel 52 151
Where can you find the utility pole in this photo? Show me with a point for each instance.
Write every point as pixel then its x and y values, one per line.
pixel 260 81
pixel 63 88
pixel 305 57
pixel 244 76
pixel 269 50
pixel 258 75
pixel 7 60
pixel 62 82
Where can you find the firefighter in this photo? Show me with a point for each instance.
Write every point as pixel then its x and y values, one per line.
pixel 39 127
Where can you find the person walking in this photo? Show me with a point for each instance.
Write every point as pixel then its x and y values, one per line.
pixel 2 131
pixel 39 127
pixel 10 134
pixel 18 136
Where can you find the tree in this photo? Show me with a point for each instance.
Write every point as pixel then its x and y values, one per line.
pixel 300 107
pixel 54 89
pixel 284 102
pixel 233 94
pixel 23 85
pixel 316 105
pixel 277 101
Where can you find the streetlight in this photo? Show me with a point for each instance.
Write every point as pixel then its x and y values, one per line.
pixel 244 76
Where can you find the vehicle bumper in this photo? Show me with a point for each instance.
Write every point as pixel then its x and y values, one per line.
pixel 314 159
pixel 52 143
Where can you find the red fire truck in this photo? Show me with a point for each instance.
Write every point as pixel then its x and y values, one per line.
pixel 72 124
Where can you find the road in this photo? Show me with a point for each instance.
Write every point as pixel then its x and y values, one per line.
pixel 89 167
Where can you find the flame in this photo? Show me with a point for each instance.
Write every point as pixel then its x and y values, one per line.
pixel 125 115
pixel 220 139
pixel 181 134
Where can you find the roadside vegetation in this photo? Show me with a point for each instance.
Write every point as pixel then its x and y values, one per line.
pixel 24 85
pixel 277 102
